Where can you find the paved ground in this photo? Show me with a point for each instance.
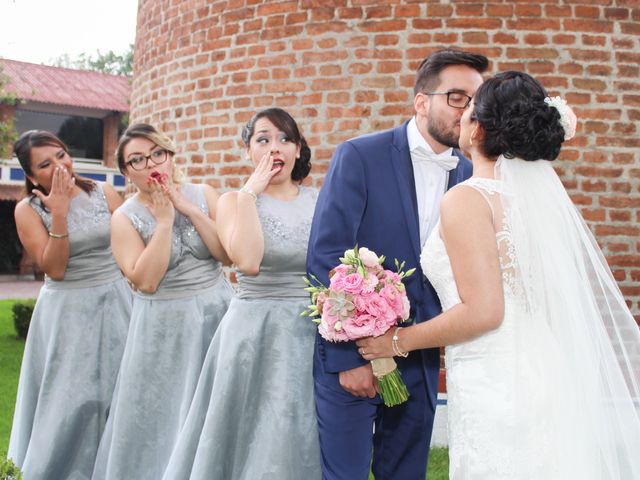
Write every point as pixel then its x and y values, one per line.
pixel 19 289
pixel 440 436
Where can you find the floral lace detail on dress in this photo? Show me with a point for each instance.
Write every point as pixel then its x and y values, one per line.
pixel 276 229
pixel 184 236
pixel 491 191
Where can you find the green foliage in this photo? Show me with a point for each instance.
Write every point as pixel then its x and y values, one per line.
pixel 8 133
pixel 8 470
pixel 11 348
pixel 22 311
pixel 110 62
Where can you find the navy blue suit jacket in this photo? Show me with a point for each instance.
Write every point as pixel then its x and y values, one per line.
pixel 369 199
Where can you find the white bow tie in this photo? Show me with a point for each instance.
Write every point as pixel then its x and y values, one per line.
pixel 420 154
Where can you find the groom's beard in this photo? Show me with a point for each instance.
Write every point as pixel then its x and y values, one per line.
pixel 442 133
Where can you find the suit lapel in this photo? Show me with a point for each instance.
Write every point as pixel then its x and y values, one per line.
pixel 457 175
pixel 403 170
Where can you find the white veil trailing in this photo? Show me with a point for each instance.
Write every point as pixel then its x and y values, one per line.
pixel 592 344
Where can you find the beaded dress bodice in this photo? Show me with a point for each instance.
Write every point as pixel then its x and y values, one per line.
pixel 88 223
pixel 191 265
pixel 285 226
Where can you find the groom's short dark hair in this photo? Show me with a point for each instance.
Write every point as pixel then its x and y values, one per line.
pixel 427 75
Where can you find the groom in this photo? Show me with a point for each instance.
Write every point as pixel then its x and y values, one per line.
pixel 383 192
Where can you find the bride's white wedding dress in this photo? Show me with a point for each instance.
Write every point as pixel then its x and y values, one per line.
pixel 521 398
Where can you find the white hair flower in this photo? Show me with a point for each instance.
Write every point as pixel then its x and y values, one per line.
pixel 568 119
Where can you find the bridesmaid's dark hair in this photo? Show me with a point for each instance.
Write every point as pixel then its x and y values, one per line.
pixel 285 122
pixel 41 138
pixel 517 122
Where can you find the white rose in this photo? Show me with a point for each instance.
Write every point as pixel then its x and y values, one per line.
pixel 369 258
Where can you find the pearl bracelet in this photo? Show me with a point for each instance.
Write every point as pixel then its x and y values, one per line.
pixel 394 344
pixel 58 235
pixel 250 192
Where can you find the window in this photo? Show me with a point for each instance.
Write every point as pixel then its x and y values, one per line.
pixel 83 135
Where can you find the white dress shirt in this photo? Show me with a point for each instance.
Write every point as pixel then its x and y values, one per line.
pixel 431 180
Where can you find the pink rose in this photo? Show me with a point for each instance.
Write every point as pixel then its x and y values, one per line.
pixel 353 283
pixel 384 323
pixel 370 283
pixel 389 292
pixel 343 269
pixel 360 326
pixel 393 276
pixel 360 301
pixel 337 280
pixel 375 305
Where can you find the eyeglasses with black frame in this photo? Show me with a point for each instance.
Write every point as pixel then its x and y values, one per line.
pixel 455 99
pixel 140 162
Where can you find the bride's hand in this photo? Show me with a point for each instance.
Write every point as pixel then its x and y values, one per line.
pixel 371 348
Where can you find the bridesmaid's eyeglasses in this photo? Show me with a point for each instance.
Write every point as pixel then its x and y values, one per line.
pixel 140 162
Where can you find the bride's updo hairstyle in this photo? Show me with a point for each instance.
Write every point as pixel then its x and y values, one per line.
pixel 517 122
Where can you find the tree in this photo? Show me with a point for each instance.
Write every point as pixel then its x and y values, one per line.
pixel 110 62
pixel 8 133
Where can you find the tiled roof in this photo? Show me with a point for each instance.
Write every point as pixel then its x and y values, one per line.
pixel 64 86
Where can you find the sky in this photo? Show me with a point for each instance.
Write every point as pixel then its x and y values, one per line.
pixel 38 31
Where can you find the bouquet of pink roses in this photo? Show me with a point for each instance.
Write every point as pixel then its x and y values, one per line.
pixel 363 300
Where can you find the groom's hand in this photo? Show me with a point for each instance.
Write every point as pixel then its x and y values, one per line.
pixel 359 381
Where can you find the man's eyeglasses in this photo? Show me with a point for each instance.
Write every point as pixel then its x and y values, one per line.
pixel 455 99
pixel 139 162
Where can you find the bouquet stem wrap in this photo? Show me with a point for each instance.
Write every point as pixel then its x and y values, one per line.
pixel 392 389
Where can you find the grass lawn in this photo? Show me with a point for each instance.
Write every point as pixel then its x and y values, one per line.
pixel 11 348
pixel 438 468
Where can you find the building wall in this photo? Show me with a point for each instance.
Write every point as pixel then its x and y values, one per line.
pixel 346 67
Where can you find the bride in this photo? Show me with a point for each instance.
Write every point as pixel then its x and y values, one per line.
pixel 543 369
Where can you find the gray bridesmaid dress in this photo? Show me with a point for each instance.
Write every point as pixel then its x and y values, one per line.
pixel 169 334
pixel 73 351
pixel 253 414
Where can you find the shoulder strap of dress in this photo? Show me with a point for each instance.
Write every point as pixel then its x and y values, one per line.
pixel 38 207
pixel 485 188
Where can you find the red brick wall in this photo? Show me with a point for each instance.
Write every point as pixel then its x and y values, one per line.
pixel 346 67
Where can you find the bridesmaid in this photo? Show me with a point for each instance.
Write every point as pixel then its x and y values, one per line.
pixel 79 324
pixel 165 241
pixel 253 414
